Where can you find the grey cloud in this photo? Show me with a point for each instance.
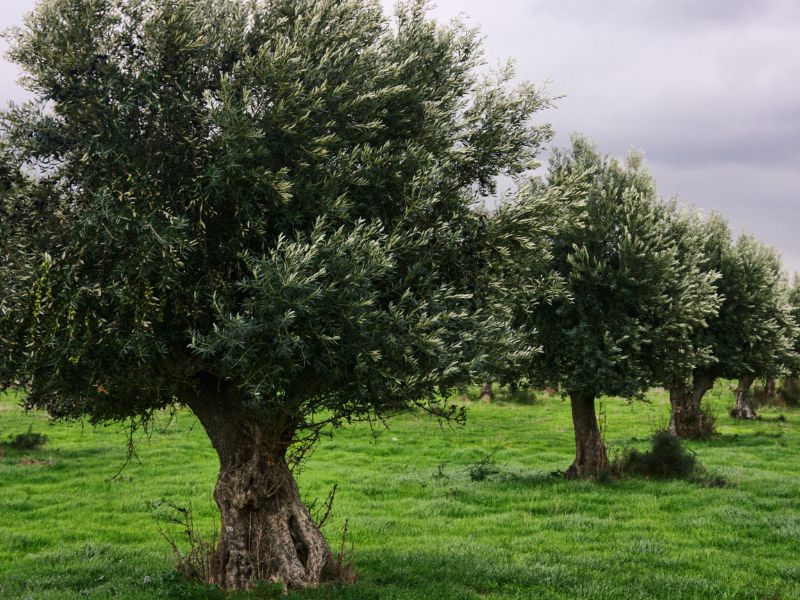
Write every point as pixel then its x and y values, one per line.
pixel 697 143
pixel 686 15
pixel 707 89
pixel 761 200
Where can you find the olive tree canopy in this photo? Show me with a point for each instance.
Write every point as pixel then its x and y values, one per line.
pixel 634 293
pixel 256 208
pixel 753 335
pixel 791 385
pixel 794 305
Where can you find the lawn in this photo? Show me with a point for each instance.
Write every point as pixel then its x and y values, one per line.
pixel 73 526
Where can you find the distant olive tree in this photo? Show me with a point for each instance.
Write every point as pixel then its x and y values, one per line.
pixel 690 351
pixel 763 343
pixel 752 333
pixel 259 209
pixel 687 417
pixel 791 385
pixel 633 294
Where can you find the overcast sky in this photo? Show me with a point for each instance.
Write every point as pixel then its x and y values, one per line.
pixel 709 90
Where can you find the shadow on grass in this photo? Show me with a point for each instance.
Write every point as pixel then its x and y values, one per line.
pixel 743 440
pixel 781 418
pixel 505 395
pixel 455 573
pixel 530 478
pixel 522 396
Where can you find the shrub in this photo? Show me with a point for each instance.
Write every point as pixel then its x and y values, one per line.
pixel 482 468
pixel 30 440
pixel 668 459
pixel 196 564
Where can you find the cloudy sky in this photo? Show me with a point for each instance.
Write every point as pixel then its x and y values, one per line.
pixel 709 90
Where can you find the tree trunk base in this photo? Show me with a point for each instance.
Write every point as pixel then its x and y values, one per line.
pixel 487 393
pixel 267 533
pixel 743 412
pixel 687 418
pixel 743 408
pixel 591 459
pixel 589 470
pixel 790 391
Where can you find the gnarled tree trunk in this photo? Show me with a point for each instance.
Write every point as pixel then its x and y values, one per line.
pixel 267 532
pixel 487 394
pixel 743 410
pixel 686 418
pixel 590 451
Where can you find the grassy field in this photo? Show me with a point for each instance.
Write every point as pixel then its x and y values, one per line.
pixel 420 526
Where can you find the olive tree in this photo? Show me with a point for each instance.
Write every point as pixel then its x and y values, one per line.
pixel 687 417
pixel 258 209
pixel 632 298
pixel 690 351
pixel 761 338
pixel 791 385
pixel 750 334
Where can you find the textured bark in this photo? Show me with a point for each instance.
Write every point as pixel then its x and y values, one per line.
pixel 267 532
pixel 790 391
pixel 487 393
pixel 770 389
pixel 686 418
pixel 590 451
pixel 743 409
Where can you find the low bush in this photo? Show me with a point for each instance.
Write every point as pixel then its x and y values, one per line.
pixel 667 459
pixel 483 468
pixel 30 440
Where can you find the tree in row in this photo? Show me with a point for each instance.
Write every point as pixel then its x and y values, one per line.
pixel 653 295
pixel 263 210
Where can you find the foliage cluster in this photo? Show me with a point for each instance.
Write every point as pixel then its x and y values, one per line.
pixel 635 289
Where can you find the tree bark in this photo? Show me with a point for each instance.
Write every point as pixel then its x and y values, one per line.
pixel 686 418
pixel 590 451
pixel 770 389
pixel 267 533
pixel 487 393
pixel 790 390
pixel 743 409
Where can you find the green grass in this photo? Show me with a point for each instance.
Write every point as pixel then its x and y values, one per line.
pixel 420 526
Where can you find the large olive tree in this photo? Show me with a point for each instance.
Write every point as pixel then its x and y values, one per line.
pixel 259 209
pixel 634 294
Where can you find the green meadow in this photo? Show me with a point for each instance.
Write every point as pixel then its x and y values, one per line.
pixel 432 511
